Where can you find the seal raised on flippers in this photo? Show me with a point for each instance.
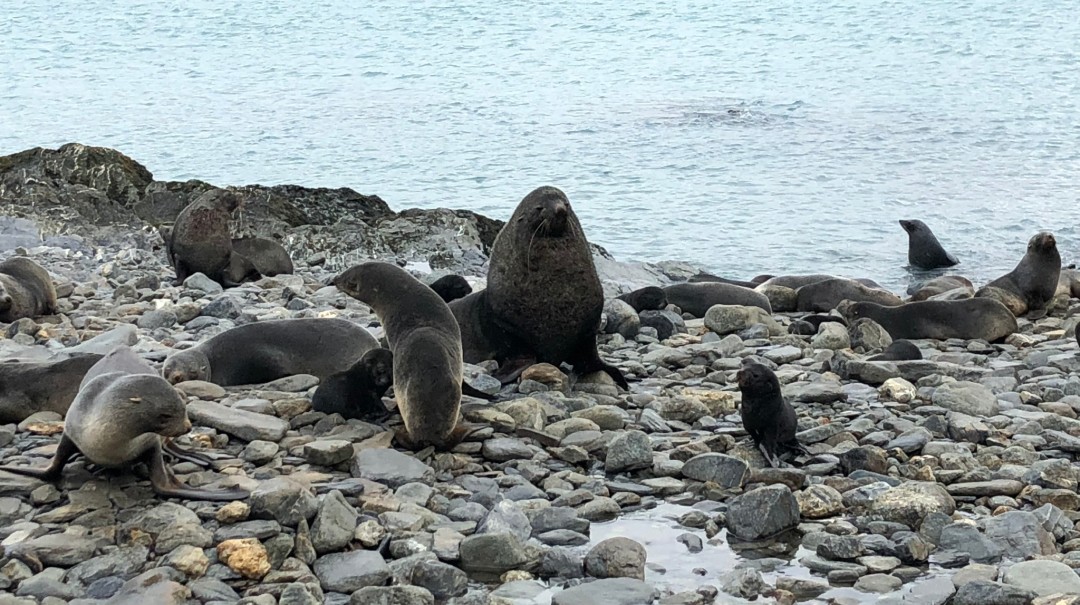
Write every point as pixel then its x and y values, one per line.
pixel 969 318
pixel 199 241
pixel 28 387
pixel 899 350
pixel 924 249
pixel 649 298
pixel 769 419
pixel 697 298
pixel 825 295
pixel 358 391
pixel 451 287
pixel 426 344
pixel 542 285
pixel 119 419
pixel 1031 285
pixel 26 290
pixel 267 350
pixel 267 256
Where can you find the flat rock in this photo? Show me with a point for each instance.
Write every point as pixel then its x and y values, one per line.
pixel 612 591
pixel 391 468
pixel 249 426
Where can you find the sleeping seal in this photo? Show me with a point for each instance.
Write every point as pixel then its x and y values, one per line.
pixel 969 318
pixel 649 298
pixel 823 296
pixel 924 249
pixel 697 298
pixel 1031 285
pixel 26 290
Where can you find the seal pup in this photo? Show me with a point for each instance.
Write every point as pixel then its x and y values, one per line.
pixel 899 350
pixel 451 287
pixel 824 295
pixel 28 387
pixel 542 285
pixel 649 298
pixel 768 418
pixel 262 351
pixel 267 256
pixel 696 299
pixel 199 241
pixel 26 290
pixel 425 341
pixel 968 318
pixel 358 391
pixel 924 249
pixel 119 419
pixel 1030 286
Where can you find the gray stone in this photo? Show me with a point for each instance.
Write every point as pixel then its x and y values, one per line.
pixel 335 524
pixel 616 558
pixel 1020 535
pixel 910 502
pixel 628 451
pixel 223 307
pixel 727 471
pixel 763 512
pixel 246 425
pixel 968 398
pixel 391 468
pixel 488 556
pixel 1043 577
pixel 612 591
pixel 350 571
pixel 831 335
pixel 441 580
pixel 285 500
pixel 506 517
pixel 392 595
pixel 992 593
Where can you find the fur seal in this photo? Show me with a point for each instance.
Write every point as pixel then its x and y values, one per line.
pixel 969 319
pixel 267 350
pixel 924 249
pixel 28 387
pixel 26 290
pixel 696 299
pixel 199 241
pixel 798 281
pixel 938 286
pixel 542 286
pixel 899 350
pixel 824 295
pixel 649 298
pixel 769 419
pixel 426 344
pixel 451 287
pixel 267 256
pixel 1031 285
pixel 704 277
pixel 119 419
pixel 358 391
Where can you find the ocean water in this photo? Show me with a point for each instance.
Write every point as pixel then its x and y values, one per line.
pixel 749 136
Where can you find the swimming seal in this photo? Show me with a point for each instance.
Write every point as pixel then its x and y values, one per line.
pixel 28 387
pixel 358 391
pixel 542 286
pixel 451 287
pixel 649 298
pixel 199 241
pixel 1031 285
pixel 119 419
pixel 924 249
pixel 968 319
pixel 825 295
pixel 267 256
pixel 426 344
pixel 769 419
pixel 899 350
pixel 696 299
pixel 262 351
pixel 26 290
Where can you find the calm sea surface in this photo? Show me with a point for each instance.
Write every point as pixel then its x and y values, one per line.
pixel 750 136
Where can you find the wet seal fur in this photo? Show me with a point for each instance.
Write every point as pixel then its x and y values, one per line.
pixel 1031 285
pixel 697 298
pixel 426 344
pixel 899 350
pixel 262 351
pixel 358 391
pixel 26 290
pixel 769 419
pixel 822 296
pixel 199 241
pixel 118 419
pixel 924 249
pixel 649 298
pixel 543 301
pixel 451 287
pixel 28 387
pixel 969 318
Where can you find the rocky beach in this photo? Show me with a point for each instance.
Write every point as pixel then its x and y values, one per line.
pixel 946 480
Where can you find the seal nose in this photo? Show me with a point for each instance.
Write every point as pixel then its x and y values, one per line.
pixel 187 425
pixel 561 208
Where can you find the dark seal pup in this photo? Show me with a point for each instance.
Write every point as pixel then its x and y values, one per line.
pixel 1031 285
pixel 542 286
pixel 697 298
pixel 969 318
pixel 358 391
pixel 899 350
pixel 768 418
pixel 924 249
pixel 119 419
pixel 267 350
pixel 267 256
pixel 451 287
pixel 28 387
pixel 426 344
pixel 26 290
pixel 199 241
pixel 649 298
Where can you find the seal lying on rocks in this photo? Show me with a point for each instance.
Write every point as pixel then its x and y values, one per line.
pixel 267 350
pixel 924 249
pixel 451 287
pixel 1031 285
pixel 940 285
pixel 899 350
pixel 358 391
pixel 543 301
pixel 798 281
pixel 199 241
pixel 709 277
pixel 119 419
pixel 649 298
pixel 968 318
pixel 696 299
pixel 825 295
pixel 28 387
pixel 26 290
pixel 426 344
pixel 768 418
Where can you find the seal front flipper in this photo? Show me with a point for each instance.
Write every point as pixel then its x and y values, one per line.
pixel 590 362
pixel 64 451
pixel 471 391
pixel 165 482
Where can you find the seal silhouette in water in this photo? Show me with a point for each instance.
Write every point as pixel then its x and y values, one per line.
pixel 26 290
pixel 924 249
pixel 1031 285
pixel 769 419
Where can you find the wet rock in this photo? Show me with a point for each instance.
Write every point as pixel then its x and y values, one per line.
pixel 441 580
pixel 616 558
pixel 743 582
pixel 819 501
pixel 911 502
pixel 878 583
pixel 992 593
pixel 762 513
pixel 629 451
pixel 727 471
pixel 490 555
pixel 612 591
pixel 348 572
pixel 1043 577
pixel 392 595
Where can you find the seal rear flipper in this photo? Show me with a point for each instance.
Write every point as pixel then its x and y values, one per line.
pixel 64 451
pixel 166 484
pixel 170 447
pixel 511 369
pixel 467 389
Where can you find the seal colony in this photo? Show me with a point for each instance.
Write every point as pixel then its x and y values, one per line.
pixel 854 435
